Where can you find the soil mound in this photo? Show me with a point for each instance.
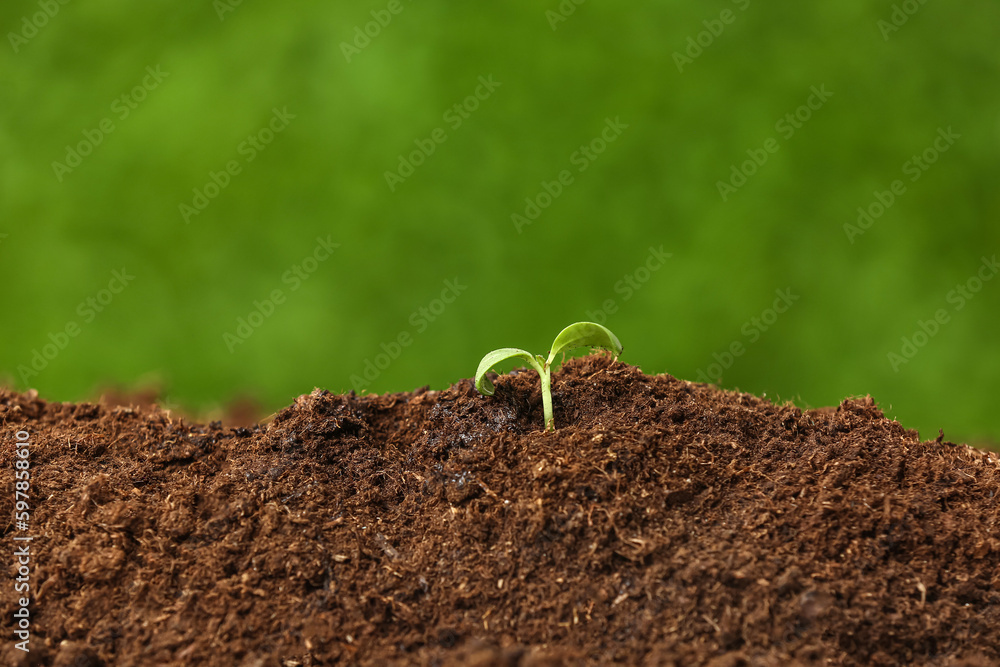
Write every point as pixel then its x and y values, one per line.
pixel 664 523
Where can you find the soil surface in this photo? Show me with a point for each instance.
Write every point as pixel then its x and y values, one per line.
pixel 664 523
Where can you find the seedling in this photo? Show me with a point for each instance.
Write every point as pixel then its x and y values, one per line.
pixel 581 334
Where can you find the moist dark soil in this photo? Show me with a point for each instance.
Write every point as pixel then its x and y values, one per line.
pixel 664 523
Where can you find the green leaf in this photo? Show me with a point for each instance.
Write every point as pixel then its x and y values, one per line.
pixel 483 384
pixel 584 334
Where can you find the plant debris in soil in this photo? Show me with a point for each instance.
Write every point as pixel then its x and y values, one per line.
pixel 665 523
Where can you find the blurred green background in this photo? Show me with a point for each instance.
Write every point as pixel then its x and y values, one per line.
pixel 116 116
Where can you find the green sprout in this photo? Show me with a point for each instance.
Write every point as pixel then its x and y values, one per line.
pixel 581 334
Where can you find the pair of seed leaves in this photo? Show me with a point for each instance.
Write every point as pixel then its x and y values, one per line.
pixel 581 334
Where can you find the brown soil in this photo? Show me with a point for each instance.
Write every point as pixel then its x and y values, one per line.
pixel 664 523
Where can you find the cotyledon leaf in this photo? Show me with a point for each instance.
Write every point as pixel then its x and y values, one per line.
pixel 584 334
pixel 483 384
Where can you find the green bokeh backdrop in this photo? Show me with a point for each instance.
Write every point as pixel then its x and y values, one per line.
pixel 656 184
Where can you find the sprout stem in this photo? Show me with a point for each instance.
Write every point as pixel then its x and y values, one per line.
pixel 550 421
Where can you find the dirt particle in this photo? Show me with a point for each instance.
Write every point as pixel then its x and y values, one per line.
pixel 76 654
